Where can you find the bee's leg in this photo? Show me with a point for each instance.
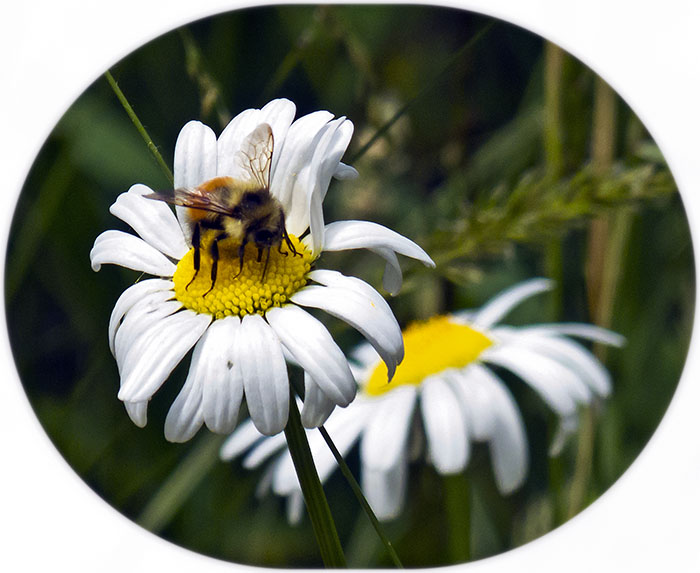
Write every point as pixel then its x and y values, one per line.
pixel 214 251
pixel 241 254
pixel 195 244
pixel 289 243
pixel 259 255
pixel 267 260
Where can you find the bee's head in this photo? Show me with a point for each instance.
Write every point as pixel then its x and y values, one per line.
pixel 266 238
pixel 268 232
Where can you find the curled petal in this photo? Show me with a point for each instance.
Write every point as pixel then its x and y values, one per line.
pixel 153 220
pixel 331 147
pixel 119 248
pixel 343 235
pixel 290 179
pixel 345 172
pixel 358 304
pixel 314 349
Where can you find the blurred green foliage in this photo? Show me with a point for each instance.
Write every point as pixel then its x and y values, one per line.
pixel 467 170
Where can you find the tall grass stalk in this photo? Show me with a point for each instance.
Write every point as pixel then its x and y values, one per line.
pixel 607 240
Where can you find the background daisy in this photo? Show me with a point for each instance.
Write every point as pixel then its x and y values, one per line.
pixel 446 381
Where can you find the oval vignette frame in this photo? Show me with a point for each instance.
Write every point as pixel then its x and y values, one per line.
pixel 107 533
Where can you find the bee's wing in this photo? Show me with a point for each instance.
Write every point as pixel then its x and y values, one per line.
pixel 254 159
pixel 194 199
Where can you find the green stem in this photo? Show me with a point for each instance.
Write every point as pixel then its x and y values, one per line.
pixel 315 499
pixel 458 505
pixel 553 147
pixel 139 126
pixel 430 85
pixel 557 490
pixel 357 490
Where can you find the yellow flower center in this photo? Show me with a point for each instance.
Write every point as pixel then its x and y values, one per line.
pixel 255 289
pixel 430 347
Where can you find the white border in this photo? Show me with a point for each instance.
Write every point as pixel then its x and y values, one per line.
pixel 648 51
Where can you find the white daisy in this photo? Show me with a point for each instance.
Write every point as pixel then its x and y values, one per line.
pixel 245 325
pixel 446 379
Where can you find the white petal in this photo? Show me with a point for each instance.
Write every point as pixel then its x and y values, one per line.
pixel 195 155
pixel 185 416
pixel 295 507
pixel 538 374
pixel 153 220
pixel 129 298
pixel 445 426
pixel 499 306
pixel 313 347
pixel 385 438
pixel 123 249
pixel 194 163
pixel 137 412
pixel 330 149
pixel 577 329
pixel 567 426
pixel 242 438
pixel 393 277
pixel 344 427
pixel 385 489
pixel 294 153
pixel 317 406
pixel 151 309
pixel 219 377
pixel 507 439
pixel 358 304
pixel 475 400
pixel 343 235
pixel 264 372
pixel 575 357
pixel 278 114
pixel 162 347
pixel 345 172
pixel 263 450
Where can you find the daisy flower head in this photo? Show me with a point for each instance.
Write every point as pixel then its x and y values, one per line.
pixel 241 307
pixel 446 395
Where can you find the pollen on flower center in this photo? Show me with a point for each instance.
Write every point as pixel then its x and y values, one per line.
pixel 247 292
pixel 430 347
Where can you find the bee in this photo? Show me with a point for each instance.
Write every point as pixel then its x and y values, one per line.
pixel 240 208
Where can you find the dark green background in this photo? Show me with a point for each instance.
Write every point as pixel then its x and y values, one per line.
pixel 466 164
